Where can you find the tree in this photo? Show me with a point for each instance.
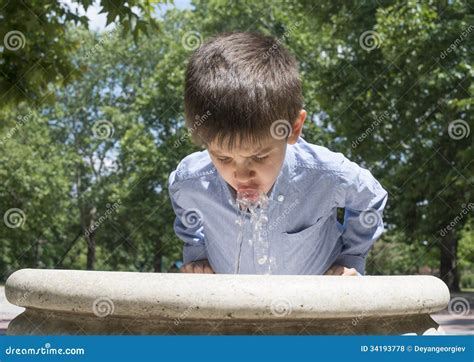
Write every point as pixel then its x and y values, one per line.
pixel 387 84
pixel 35 202
pixel 390 85
pixel 36 51
pixel 118 124
pixel 400 74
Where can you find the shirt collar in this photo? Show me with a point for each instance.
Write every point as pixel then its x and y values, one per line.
pixel 280 186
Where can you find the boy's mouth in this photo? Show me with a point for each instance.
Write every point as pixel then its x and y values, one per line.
pixel 249 194
pixel 251 191
pixel 245 187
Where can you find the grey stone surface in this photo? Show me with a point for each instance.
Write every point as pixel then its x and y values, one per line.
pixel 70 302
pixel 8 311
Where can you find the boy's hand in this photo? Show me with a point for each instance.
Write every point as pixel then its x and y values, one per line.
pixel 340 270
pixel 198 266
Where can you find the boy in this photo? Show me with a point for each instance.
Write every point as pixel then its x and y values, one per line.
pixel 243 103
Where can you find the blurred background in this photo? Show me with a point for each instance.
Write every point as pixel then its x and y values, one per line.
pixel 91 123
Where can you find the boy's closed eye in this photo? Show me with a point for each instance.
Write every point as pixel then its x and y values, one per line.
pixel 255 158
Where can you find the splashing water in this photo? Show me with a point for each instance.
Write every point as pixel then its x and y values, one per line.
pixel 255 202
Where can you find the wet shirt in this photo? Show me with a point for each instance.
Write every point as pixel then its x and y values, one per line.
pixel 303 233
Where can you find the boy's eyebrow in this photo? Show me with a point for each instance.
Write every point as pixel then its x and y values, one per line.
pixel 266 149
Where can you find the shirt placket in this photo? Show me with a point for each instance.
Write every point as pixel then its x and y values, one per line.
pixel 264 250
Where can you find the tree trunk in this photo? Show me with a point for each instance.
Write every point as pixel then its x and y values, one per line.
pixel 157 263
pixel 449 272
pixel 59 263
pixel 90 252
pixel 90 238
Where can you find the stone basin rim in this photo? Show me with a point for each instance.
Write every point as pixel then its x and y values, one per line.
pixel 216 296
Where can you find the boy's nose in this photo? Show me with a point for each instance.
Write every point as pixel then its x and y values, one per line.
pixel 243 175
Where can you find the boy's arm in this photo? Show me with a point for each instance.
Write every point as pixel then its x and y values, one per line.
pixel 188 225
pixel 364 199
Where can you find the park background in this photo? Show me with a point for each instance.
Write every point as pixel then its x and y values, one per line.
pixel 91 123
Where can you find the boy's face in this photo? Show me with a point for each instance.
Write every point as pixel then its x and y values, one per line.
pixel 254 167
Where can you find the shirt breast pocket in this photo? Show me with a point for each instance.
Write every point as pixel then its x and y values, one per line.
pixel 306 232
pixel 302 249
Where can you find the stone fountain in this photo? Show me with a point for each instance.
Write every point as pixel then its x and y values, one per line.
pixel 69 302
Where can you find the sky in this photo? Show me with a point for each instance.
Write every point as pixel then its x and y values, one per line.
pixel 97 21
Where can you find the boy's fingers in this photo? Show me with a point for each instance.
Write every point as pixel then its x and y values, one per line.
pixel 183 269
pixel 330 271
pixel 349 271
pixel 339 270
pixel 198 268
pixel 335 270
pixel 208 269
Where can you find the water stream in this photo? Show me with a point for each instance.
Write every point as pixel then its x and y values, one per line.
pixel 255 203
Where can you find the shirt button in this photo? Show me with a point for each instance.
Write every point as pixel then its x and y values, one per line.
pixel 262 260
pixel 280 198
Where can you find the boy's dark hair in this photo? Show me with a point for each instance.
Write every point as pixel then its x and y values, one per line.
pixel 237 85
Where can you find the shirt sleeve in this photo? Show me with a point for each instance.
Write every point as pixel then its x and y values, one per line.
pixel 188 224
pixel 364 199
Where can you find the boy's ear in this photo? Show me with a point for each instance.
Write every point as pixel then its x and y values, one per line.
pixel 297 127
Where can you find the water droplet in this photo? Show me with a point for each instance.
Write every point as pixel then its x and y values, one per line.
pixel 257 205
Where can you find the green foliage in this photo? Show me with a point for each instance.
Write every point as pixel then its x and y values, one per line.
pixel 391 255
pixel 36 50
pixel 466 247
pixel 467 281
pixel 34 168
pixel 386 99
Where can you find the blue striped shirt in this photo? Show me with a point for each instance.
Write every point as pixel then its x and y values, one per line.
pixel 303 233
